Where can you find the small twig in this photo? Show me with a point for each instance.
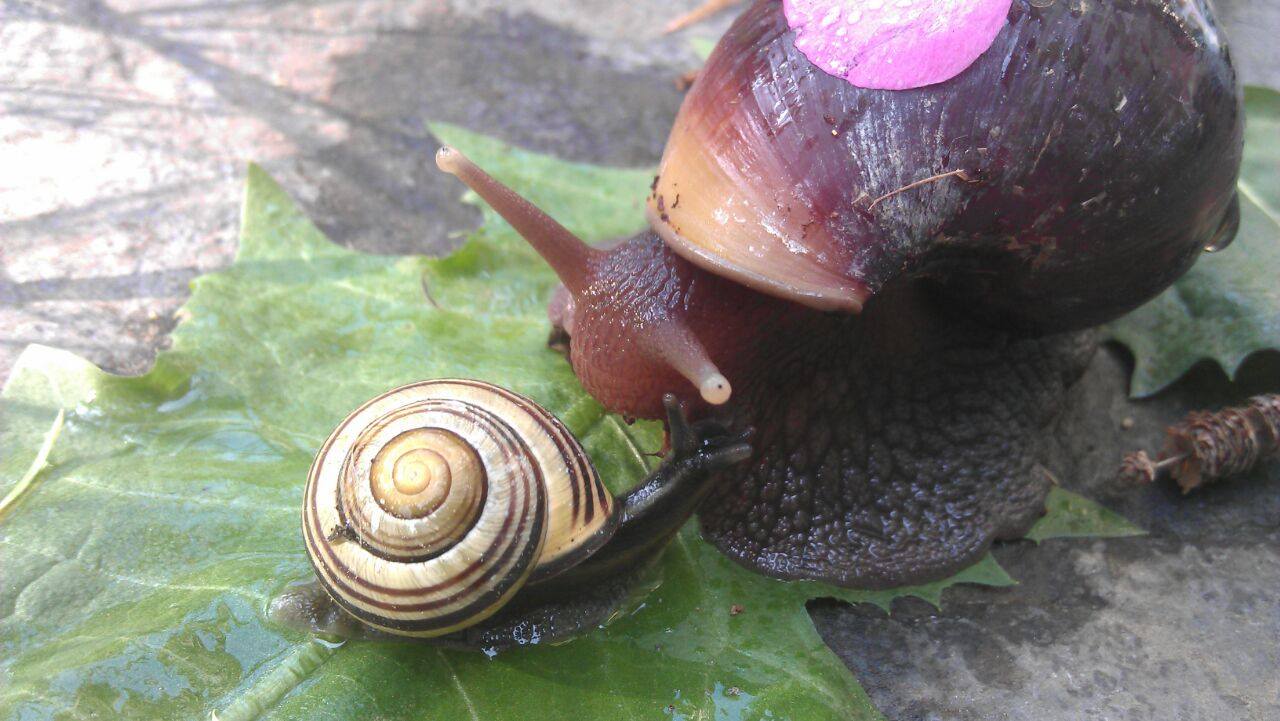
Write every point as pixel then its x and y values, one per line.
pixel 684 81
pixel 1207 447
pixel 37 465
pixel 426 290
pixel 698 14
pixel 1138 467
pixel 931 179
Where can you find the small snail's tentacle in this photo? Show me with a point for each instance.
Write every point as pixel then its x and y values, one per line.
pixel 680 435
pixel 565 252
pixel 696 450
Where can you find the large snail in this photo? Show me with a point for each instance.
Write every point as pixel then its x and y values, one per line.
pixel 459 509
pixel 889 284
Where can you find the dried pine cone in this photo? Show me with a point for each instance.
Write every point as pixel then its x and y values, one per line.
pixel 1207 447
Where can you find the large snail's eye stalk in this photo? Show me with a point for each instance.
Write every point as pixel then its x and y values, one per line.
pixel 567 255
pixel 667 340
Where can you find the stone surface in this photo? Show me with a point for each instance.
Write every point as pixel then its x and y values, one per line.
pixel 1183 623
pixel 124 128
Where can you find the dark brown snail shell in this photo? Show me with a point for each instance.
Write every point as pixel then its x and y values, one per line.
pixel 1072 172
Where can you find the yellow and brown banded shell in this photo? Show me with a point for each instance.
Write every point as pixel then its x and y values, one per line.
pixel 432 504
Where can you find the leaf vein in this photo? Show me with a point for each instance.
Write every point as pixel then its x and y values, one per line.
pixel 457 683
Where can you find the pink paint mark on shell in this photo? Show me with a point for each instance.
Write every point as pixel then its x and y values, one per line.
pixel 895 44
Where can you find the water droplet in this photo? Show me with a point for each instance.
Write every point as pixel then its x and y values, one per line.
pixel 1226 229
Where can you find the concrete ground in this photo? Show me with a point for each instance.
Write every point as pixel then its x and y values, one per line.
pixel 124 127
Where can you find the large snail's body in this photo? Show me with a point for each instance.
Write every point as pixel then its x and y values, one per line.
pixel 878 273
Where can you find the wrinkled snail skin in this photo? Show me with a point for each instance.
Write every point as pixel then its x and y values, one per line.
pixel 895 287
pixel 451 504
pixel 911 437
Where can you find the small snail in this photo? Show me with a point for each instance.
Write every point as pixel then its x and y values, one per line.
pixel 436 506
pixel 890 285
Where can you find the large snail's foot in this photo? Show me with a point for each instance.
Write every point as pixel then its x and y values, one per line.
pixel 900 448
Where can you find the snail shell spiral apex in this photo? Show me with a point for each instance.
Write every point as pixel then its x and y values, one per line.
pixel 432 504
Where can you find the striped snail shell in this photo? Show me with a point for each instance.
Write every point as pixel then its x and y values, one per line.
pixel 431 505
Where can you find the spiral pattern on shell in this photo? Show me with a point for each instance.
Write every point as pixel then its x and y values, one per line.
pixel 432 504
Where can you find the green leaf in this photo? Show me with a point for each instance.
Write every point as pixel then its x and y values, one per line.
pixel 1070 515
pixel 702 46
pixel 1228 305
pixel 149 535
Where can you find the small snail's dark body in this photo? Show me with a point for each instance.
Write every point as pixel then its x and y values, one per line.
pixel 895 281
pixel 580 591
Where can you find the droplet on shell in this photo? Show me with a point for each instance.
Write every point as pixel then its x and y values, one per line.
pixel 1227 229
pixel 895 45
